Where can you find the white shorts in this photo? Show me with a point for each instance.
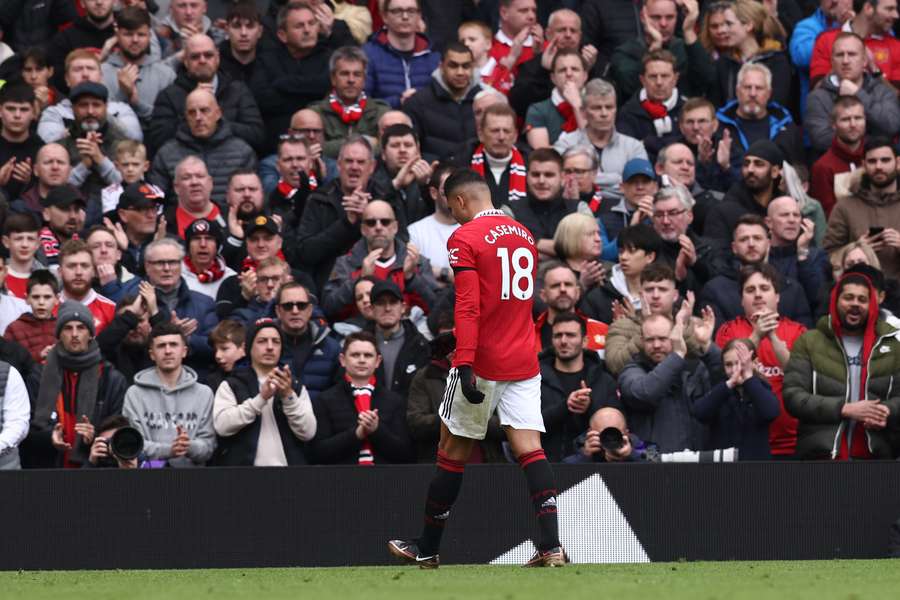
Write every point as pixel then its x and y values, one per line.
pixel 518 404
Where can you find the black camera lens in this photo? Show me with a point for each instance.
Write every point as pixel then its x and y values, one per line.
pixel 126 443
pixel 612 439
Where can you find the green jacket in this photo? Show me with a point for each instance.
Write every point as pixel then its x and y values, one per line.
pixel 696 70
pixel 336 131
pixel 816 386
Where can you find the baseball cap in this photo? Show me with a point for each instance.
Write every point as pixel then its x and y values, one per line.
pixel 638 166
pixel 385 286
pixel 140 195
pixel 63 196
pixel 261 222
pixel 89 88
pixel 203 227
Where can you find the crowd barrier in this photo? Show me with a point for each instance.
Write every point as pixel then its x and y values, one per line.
pixel 330 516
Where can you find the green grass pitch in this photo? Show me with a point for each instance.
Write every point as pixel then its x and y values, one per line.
pixel 846 580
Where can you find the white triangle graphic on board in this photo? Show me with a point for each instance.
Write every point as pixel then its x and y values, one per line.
pixel 592 529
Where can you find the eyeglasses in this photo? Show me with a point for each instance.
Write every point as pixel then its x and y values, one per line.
pixel 165 264
pixel 290 306
pixel 373 222
pixel 671 214
pixel 403 12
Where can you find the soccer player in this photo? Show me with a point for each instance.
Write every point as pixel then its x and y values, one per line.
pixel 494 259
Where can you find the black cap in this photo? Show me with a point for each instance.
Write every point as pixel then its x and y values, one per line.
pixel 261 222
pixel 140 195
pixel 385 286
pixel 62 196
pixel 201 227
pixel 766 150
pixel 89 88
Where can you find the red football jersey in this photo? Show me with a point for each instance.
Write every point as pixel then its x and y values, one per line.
pixel 495 259
pixel 885 52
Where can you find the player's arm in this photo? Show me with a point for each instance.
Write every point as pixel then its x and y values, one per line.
pixel 466 313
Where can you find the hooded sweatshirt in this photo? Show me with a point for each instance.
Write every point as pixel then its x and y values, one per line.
pixel 157 411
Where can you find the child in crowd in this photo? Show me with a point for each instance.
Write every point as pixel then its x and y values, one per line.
pixel 477 37
pixel 37 72
pixel 227 340
pixel 132 164
pixel 36 331
pixel 20 236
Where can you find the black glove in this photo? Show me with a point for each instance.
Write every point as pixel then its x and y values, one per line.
pixel 467 381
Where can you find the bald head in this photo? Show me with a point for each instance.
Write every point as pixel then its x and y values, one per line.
pixel 202 113
pixel 608 417
pixel 201 58
pixel 379 227
pixel 51 166
pixel 392 117
pixel 784 220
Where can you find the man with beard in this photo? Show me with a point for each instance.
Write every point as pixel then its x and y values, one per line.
pixel 752 116
pixel 76 272
pixel 792 250
pixel 760 181
pixel 574 385
pixel 130 74
pixel 124 341
pixel 840 383
pixel 138 213
pixel 63 213
pixel 201 69
pixel 848 120
pixel 204 269
pixel 560 292
pixel 544 207
pixel 677 163
pixel 750 245
pixel 78 391
pixel 88 32
pixel 872 211
pixel 687 253
pixel 92 140
pixel 381 254
pixel 431 233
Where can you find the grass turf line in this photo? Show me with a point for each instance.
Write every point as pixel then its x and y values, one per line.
pixel 815 580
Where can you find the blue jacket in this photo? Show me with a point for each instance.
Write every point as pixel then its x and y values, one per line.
pixel 740 420
pixel 390 73
pixel 782 130
pixel 318 368
pixel 803 40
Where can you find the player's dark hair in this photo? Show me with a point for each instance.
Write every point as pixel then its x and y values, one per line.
pixel 543 155
pixel 461 178
pixel 658 271
pixel 397 130
pixel 767 271
pixel 360 336
pixel 876 142
pixel 640 237
pixel 570 317
pixel 42 277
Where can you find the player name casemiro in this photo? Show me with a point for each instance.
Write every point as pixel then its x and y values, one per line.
pixel 498 231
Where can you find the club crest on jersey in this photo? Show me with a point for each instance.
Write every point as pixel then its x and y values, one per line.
pixel 453 255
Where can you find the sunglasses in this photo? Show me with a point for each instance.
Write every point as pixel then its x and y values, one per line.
pixel 373 222
pixel 290 306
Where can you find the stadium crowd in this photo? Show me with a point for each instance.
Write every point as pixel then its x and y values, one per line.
pixel 224 224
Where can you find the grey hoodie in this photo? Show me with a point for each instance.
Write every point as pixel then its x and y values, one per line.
pixel 153 77
pixel 156 411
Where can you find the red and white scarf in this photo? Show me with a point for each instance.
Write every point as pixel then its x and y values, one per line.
pixel 659 111
pixel 516 171
pixel 596 200
pixel 362 399
pixel 565 110
pixel 288 191
pixel 250 263
pixel 348 114
pixel 215 271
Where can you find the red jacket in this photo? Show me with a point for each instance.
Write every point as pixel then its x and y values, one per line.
pixel 838 159
pixel 783 430
pixel 32 334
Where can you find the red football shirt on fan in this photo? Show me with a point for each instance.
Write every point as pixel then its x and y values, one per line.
pixel 495 260
pixel 783 430
pixel 885 51
pixel 17 283
pixel 102 308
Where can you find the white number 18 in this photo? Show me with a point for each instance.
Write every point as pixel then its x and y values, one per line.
pixel 520 272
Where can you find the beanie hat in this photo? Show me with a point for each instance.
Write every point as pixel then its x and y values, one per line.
pixel 254 328
pixel 70 310
pixel 766 150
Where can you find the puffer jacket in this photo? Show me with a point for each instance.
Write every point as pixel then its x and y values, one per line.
pixel 223 152
pixel 337 132
pixel 852 216
pixel 317 368
pixel 32 334
pixel 659 398
pixel 153 77
pixel 27 23
pixel 238 106
pixel 608 24
pixel 390 73
pixel 816 385
pixel 879 101
pixel 82 34
pixel 441 122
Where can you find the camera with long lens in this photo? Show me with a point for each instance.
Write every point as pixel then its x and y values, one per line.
pixel 126 444
pixel 613 440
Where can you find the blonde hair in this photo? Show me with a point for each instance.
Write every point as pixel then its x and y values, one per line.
pixel 569 233
pixel 840 255
pixel 130 148
pixel 767 29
